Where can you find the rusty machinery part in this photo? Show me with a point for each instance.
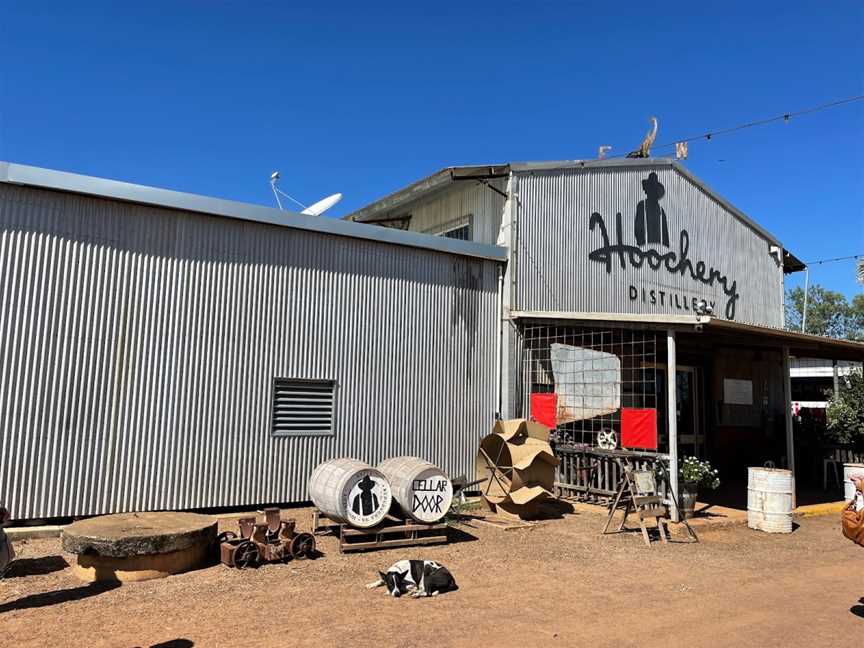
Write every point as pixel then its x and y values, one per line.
pixel 272 540
pixel 272 519
pixel 303 545
pixel 247 526
pixel 225 536
pixel 246 555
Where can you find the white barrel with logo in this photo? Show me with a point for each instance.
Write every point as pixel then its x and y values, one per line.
pixel 769 499
pixel 350 491
pixel 850 469
pixel 423 491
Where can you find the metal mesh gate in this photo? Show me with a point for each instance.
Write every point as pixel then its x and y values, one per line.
pixel 594 373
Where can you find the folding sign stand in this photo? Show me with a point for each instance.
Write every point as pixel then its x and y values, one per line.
pixel 639 490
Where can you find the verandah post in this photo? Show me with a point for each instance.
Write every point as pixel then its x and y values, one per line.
pixel 672 420
pixel 790 442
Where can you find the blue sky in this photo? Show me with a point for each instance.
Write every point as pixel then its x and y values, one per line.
pixel 364 98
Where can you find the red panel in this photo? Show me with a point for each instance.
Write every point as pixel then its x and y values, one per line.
pixel 639 428
pixel 544 409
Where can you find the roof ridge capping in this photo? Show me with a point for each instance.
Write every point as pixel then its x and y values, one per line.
pixel 30 176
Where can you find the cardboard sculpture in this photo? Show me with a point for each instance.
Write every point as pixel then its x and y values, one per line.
pixel 518 468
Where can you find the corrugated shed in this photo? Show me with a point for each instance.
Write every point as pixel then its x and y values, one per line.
pixel 553 242
pixel 462 199
pixel 819 368
pixel 138 345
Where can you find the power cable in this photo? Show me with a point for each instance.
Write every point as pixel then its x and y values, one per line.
pixel 759 122
pixel 845 258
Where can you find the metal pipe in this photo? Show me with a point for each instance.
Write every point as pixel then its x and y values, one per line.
pixel 499 343
pixel 787 399
pixel 672 419
pixel 806 290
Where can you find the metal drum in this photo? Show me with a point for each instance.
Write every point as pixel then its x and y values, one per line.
pixel 422 490
pixel 350 491
pixel 850 469
pixel 769 499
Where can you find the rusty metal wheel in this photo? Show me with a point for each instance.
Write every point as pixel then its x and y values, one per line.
pixel 246 555
pixel 303 545
pixel 225 536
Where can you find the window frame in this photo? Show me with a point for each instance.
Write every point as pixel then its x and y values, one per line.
pixel 456 224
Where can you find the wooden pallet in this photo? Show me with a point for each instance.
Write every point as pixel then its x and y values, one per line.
pixel 507 524
pixel 393 532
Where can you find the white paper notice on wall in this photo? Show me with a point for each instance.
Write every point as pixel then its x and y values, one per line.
pixel 737 392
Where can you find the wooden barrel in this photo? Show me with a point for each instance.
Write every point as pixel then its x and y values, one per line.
pixel 350 491
pixel 769 499
pixel 422 490
pixel 850 469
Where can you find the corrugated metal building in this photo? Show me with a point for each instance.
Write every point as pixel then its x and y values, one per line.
pixel 814 379
pixel 640 259
pixel 161 350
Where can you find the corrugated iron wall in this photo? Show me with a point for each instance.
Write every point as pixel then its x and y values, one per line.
pixel 138 346
pixel 553 241
pixel 464 198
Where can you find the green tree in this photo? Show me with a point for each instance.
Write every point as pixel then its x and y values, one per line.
pixel 856 318
pixel 846 410
pixel 828 312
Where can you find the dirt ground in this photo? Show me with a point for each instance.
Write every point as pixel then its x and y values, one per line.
pixel 558 584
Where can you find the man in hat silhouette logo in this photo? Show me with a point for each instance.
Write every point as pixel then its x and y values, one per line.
pixel 365 502
pixel 651 224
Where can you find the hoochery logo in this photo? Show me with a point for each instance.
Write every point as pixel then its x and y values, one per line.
pixel 651 228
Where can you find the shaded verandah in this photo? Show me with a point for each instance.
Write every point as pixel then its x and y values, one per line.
pixel 730 393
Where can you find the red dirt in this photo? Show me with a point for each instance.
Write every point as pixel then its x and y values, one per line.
pixel 557 584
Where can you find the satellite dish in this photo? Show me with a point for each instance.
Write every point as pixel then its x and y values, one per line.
pixel 313 210
pixel 322 205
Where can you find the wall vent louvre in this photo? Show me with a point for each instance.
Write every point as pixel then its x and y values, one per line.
pixel 302 407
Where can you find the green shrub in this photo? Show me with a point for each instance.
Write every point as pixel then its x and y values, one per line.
pixel 845 413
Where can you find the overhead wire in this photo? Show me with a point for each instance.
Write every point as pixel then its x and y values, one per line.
pixel 787 116
pixel 845 258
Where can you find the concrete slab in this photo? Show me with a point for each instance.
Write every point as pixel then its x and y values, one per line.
pixel 137 534
pixel 139 546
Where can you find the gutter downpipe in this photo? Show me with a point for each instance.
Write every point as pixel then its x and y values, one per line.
pixel 499 343
pixel 806 291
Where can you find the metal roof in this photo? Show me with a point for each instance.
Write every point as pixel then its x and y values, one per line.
pixel 800 344
pixel 426 187
pixel 442 179
pixel 19 174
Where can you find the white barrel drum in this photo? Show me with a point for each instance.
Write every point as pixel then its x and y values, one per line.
pixel 350 491
pixel 850 469
pixel 422 490
pixel 769 499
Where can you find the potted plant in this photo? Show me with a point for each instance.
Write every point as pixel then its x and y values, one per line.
pixel 694 474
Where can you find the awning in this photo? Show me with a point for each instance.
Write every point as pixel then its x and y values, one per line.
pixel 800 344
